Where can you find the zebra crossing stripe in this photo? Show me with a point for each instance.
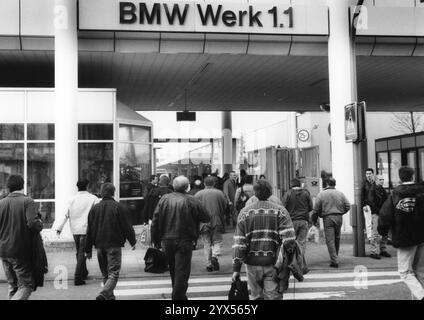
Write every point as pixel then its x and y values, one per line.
pixel 228 278
pixel 224 288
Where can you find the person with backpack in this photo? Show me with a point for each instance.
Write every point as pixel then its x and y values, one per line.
pixel 298 203
pixel 403 214
pixel 244 193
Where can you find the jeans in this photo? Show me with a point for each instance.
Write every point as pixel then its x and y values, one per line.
pixel 378 243
pixel 19 277
pixel 411 269
pixel 212 243
pixel 261 283
pixel 301 228
pixel 179 253
pixel 332 230
pixel 81 271
pixel 110 260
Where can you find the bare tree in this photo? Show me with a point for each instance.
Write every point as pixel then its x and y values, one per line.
pixel 410 122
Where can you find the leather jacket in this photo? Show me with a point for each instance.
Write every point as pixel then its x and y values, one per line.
pixel 177 217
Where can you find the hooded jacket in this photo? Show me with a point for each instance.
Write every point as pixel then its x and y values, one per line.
pixel 403 213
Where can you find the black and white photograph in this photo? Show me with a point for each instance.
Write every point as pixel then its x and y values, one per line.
pixel 222 152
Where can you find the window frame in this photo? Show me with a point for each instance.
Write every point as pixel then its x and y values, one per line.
pixel 113 142
pixel 118 141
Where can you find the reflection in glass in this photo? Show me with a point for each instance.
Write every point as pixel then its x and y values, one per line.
pixel 134 133
pixel 395 164
pixel 40 179
pixel 411 159
pixel 47 211
pixel 182 158
pixel 11 162
pixel 40 131
pixel 11 131
pixel 383 167
pixel 135 211
pixel 95 131
pixel 95 163
pixel 135 169
pixel 421 162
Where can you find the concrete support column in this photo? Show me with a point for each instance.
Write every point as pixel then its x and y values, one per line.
pixel 66 92
pixel 227 141
pixel 342 83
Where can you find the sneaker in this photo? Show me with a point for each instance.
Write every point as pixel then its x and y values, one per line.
pixel 100 297
pixel 385 254
pixel 215 264
pixel 334 265
pixel 209 268
pixel 375 256
pixel 79 282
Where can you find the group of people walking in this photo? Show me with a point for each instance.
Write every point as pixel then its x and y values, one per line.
pixel 268 231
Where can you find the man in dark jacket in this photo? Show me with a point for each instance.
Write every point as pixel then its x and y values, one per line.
pixel 230 188
pixel 403 214
pixel 108 229
pixel 298 203
pixel 176 225
pixel 154 196
pixel 18 222
pixel 373 196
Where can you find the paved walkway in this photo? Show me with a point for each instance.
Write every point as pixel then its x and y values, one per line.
pixel 63 260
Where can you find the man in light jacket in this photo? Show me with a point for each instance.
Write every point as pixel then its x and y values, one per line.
pixel 216 204
pixel 331 205
pixel 79 207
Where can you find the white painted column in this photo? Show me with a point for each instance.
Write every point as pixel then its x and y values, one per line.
pixel 342 82
pixel 66 91
pixel 227 141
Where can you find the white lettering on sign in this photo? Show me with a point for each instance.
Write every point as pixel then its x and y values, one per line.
pixel 192 16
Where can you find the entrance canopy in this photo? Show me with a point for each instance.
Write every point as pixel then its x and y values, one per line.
pixel 242 56
pixel 224 82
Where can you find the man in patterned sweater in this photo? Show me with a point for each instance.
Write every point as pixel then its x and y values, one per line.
pixel 262 228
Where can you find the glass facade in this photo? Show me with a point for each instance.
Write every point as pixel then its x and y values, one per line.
pixel 38 149
pixel 40 131
pixel 95 163
pixel 135 169
pixel 11 131
pixel 40 170
pixel 95 131
pixel 383 167
pixel 394 152
pixel 134 133
pixel 135 151
pixel 11 162
pixel 47 212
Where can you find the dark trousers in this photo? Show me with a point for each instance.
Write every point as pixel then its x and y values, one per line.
pixel 81 271
pixel 19 277
pixel 332 230
pixel 110 260
pixel 178 254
